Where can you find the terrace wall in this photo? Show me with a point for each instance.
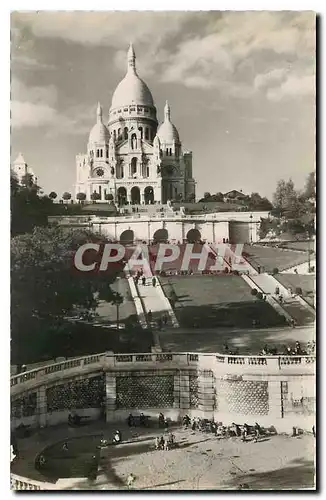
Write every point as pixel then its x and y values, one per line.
pixel 275 390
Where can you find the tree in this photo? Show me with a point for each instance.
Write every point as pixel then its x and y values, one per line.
pixel 53 195
pixel 81 197
pixel 28 181
pixel 109 197
pixel 285 199
pixel 95 196
pixel 28 209
pixel 310 187
pixel 207 195
pixel 66 196
pixel 45 286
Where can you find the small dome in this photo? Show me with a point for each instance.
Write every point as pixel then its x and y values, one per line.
pixel 99 132
pixel 167 132
pixel 132 89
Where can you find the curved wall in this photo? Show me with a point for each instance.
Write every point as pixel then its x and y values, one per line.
pixel 275 389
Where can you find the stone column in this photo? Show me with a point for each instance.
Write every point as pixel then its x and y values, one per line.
pixel 274 399
pixel 181 392
pixel 111 393
pixel 41 406
pixel 206 395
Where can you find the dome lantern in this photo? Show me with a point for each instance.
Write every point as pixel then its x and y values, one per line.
pixel 99 133
pixel 167 132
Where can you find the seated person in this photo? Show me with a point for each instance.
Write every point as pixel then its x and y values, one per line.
pixel 117 437
pixel 104 443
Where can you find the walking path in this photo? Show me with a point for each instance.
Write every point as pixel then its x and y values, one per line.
pixel 155 301
pixel 201 461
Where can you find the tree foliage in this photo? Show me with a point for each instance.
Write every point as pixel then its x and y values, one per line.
pixel 45 285
pixel 28 209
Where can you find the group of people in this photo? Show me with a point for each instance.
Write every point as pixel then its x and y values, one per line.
pixel 165 444
pixel 161 321
pixel 140 277
pixel 220 430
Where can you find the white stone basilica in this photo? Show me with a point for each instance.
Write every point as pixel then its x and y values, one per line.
pixel 132 159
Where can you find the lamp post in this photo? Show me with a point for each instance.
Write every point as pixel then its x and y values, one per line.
pixel 250 229
pixel 118 303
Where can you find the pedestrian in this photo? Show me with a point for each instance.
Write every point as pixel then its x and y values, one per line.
pixel 244 432
pixel 93 469
pixel 165 319
pixel 314 431
pixel 257 432
pixel 130 480
pixel 277 290
pixel 150 315
pixel 136 279
pixel 143 280
pixel 159 323
pixel 259 269
pixel 154 281
pixel 65 447
pixel 281 299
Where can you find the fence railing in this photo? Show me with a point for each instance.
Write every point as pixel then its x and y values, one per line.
pixel 116 361
pixel 20 483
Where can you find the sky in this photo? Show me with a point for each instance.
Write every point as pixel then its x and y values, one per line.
pixel 241 86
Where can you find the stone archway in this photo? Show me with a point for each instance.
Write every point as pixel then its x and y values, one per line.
pixel 193 236
pixel 161 236
pixel 127 237
pixel 135 195
pixel 149 195
pixel 122 196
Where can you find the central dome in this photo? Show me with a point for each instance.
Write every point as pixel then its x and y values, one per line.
pixel 132 89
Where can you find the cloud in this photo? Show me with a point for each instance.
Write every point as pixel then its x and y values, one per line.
pixel 220 57
pixel 29 62
pixel 293 86
pixel 101 28
pixel 34 106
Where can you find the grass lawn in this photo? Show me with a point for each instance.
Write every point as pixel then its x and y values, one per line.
pixel 306 282
pixel 270 258
pixel 223 300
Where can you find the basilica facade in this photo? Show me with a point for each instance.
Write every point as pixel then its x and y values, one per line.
pixel 133 159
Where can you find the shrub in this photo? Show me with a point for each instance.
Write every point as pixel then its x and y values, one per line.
pixel 275 270
pixel 254 291
pixel 259 295
pixel 298 290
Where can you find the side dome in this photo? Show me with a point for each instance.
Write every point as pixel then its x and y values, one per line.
pixel 99 132
pixel 132 89
pixel 167 132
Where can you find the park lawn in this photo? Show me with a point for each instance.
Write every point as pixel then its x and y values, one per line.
pixel 212 301
pixel 270 258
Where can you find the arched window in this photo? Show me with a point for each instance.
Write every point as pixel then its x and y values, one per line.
pixel 133 166
pixel 97 153
pixel 146 134
pixel 101 153
pixel 167 151
pixel 114 135
pixel 141 131
pixel 126 132
pixel 119 133
pixel 107 153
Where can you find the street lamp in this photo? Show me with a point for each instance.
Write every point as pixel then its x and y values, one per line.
pixel 250 217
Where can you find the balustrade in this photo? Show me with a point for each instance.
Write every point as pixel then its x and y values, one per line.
pixel 105 359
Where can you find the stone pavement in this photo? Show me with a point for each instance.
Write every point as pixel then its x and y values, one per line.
pixel 201 462
pixel 249 341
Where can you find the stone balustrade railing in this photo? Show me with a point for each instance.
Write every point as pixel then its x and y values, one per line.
pixel 20 483
pixel 108 360
pixel 218 216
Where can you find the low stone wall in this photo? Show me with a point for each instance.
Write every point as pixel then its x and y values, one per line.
pixel 271 388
